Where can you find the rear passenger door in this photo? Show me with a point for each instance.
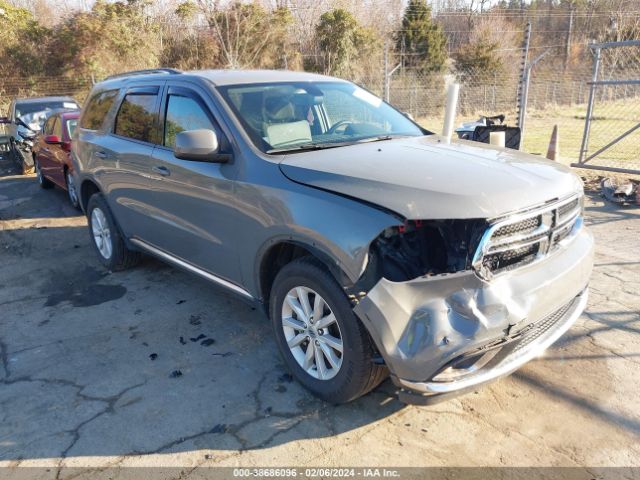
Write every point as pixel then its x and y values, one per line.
pixel 194 199
pixel 125 157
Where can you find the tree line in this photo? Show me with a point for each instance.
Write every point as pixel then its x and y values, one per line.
pixel 351 39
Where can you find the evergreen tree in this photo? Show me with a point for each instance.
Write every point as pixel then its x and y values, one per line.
pixel 421 41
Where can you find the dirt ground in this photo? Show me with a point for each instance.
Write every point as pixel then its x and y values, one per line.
pixel 87 358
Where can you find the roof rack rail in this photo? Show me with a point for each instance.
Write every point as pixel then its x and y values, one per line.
pixel 148 71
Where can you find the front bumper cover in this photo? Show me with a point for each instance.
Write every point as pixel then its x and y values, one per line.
pixel 423 325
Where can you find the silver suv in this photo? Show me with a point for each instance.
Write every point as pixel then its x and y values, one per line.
pixel 375 246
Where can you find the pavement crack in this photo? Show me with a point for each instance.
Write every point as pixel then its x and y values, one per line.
pixel 110 407
pixel 4 357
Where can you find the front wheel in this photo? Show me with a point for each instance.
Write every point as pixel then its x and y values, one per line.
pixel 325 346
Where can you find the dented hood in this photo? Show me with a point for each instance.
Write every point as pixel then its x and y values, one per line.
pixel 426 178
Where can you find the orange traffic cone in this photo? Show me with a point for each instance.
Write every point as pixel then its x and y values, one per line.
pixel 553 153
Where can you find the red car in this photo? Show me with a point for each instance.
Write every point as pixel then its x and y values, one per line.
pixel 51 153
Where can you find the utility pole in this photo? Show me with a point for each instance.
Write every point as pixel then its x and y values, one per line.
pixel 567 48
pixel 523 74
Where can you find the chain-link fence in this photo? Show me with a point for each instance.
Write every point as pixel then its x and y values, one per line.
pixel 611 138
pixel 554 97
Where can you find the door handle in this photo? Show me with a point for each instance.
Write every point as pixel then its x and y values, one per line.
pixel 164 171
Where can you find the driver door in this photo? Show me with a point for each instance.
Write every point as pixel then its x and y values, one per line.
pixel 194 199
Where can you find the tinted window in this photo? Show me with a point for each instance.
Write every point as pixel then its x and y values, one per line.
pixel 136 117
pixel 183 113
pixel 57 128
pixel 97 109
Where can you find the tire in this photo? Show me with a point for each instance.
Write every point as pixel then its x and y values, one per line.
pixel 26 161
pixel 72 191
pixel 42 180
pixel 356 373
pixel 107 238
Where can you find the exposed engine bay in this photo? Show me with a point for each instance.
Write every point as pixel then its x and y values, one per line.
pixel 421 247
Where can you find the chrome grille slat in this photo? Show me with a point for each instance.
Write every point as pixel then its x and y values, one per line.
pixel 524 238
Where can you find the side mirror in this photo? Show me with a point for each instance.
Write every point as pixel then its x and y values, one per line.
pixel 52 140
pixel 199 145
pixel 4 120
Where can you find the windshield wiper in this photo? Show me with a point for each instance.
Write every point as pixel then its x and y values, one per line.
pixel 304 147
pixel 321 146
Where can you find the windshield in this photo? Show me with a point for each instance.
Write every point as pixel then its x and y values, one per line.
pixel 35 114
pixel 71 126
pixel 297 116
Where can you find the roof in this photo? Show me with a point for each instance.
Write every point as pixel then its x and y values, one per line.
pixel 221 77
pixel 45 99
pixel 234 77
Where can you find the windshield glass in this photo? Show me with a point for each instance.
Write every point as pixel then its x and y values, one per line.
pixel 35 114
pixel 296 116
pixel 71 126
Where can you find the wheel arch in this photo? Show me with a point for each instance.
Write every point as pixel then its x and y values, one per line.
pixel 277 253
pixel 87 188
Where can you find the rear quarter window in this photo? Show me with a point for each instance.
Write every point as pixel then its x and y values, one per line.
pixel 97 109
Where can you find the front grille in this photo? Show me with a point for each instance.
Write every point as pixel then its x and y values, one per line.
pixel 540 328
pixel 510 258
pixel 523 227
pixel 523 238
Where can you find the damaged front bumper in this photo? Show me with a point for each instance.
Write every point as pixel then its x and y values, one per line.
pixel 443 335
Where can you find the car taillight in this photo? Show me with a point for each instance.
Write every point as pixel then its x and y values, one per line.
pixel 66 146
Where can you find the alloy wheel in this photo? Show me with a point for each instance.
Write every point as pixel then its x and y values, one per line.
pixel 312 333
pixel 101 232
pixel 71 190
pixel 39 173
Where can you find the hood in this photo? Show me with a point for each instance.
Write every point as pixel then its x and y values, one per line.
pixel 427 178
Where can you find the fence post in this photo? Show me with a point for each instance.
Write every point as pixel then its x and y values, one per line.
pixel 523 76
pixel 386 71
pixel 592 90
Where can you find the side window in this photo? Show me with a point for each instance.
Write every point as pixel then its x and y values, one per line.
pixel 48 126
pixel 183 113
pixel 136 117
pixel 97 109
pixel 57 128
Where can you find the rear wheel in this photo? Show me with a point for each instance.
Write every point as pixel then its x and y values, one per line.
pixel 106 236
pixel 72 191
pixel 323 343
pixel 42 180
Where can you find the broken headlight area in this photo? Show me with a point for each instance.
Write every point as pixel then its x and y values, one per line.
pixel 422 247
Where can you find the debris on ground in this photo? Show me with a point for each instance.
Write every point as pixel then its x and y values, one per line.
pixel 195 320
pixel 220 428
pixel 198 338
pixel 225 354
pixel 623 193
pixel 153 356
pixel 175 374
pixel 208 342
pixel 182 341
pixel 285 377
